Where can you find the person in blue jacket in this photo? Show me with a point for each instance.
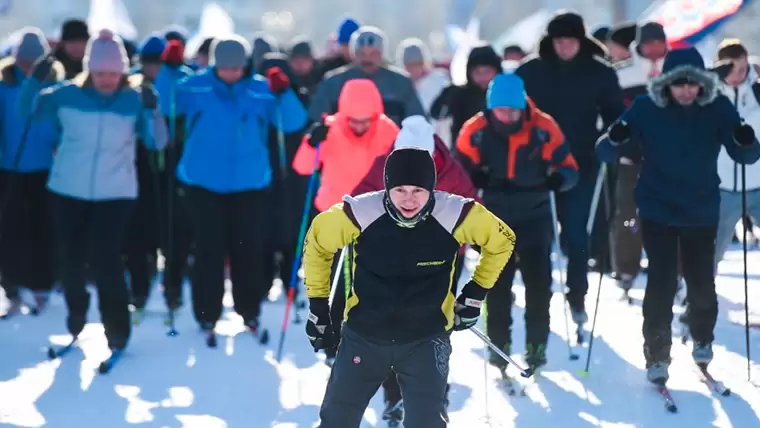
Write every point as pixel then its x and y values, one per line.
pixel 26 154
pixel 676 131
pixel 227 170
pixel 93 184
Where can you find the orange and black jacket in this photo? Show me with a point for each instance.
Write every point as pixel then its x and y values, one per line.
pixel 403 286
pixel 515 163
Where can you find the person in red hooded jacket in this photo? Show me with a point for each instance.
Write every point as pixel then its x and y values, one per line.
pixel 416 131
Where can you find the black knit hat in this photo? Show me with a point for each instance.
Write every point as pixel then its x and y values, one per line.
pixel 410 166
pixel 74 30
pixel 649 32
pixel 602 33
pixel 205 47
pixel 567 24
pixel 624 34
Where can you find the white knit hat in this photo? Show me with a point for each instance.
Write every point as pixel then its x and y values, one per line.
pixel 106 53
pixel 416 131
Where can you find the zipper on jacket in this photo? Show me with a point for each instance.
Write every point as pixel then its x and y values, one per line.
pixel 95 156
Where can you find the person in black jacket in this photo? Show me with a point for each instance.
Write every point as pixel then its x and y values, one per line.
pixel 288 186
pixel 463 102
pixel 569 80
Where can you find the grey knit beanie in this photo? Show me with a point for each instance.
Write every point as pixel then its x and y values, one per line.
pixel 230 52
pixel 32 45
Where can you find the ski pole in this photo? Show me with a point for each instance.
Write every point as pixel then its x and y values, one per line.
pixel 342 256
pixel 523 372
pixel 746 290
pixel 553 205
pixel 299 252
pixel 605 255
pixel 281 142
pixel 172 193
pixel 595 201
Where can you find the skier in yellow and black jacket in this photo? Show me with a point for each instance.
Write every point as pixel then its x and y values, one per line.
pixel 402 306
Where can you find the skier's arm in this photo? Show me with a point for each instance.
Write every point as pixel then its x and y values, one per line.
pixel 611 102
pixel 495 239
pixel 37 101
pixel 292 114
pixel 323 99
pixel 329 232
pixel 556 152
pixel 738 139
pixel 621 138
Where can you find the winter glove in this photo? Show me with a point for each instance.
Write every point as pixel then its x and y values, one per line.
pixel 744 135
pixel 43 67
pixel 278 80
pixel 619 133
pixel 317 134
pixel 173 54
pixel 555 181
pixel 318 328
pixel 469 302
pixel 148 97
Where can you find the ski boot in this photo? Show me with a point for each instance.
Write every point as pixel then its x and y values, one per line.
pixel 535 356
pixel 702 353
pixel 657 372
pixel 137 307
pixel 41 300
pixel 580 318
pixel 254 326
pixel 207 329
pixel 496 360
pixel 625 282
pixel 394 413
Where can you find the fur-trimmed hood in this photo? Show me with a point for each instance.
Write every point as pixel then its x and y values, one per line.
pixel 679 64
pixel 8 72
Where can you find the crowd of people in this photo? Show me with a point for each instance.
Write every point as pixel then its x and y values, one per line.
pixel 110 157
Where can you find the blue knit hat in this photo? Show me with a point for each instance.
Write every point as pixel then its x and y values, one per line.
pixel 506 90
pixel 152 48
pixel 345 30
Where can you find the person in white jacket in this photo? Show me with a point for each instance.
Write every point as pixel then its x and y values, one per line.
pixel 739 82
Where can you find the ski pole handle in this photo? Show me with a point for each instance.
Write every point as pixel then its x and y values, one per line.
pixel 523 372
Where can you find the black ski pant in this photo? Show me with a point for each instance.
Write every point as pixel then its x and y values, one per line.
pixel 27 244
pixel 626 229
pixel 532 256
pixel 176 242
pixel 573 209
pixel 94 230
pixel 696 246
pixel 363 363
pixel 234 224
pixel 141 240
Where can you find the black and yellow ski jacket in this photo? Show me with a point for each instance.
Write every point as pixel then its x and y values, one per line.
pixel 403 278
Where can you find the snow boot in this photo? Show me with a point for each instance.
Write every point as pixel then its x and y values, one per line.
pixel 394 413
pixel 41 300
pixel 702 353
pixel 579 316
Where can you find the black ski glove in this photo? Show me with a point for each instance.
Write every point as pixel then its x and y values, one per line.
pixel 555 181
pixel 744 135
pixel 43 67
pixel 317 134
pixel 468 306
pixel 619 133
pixel 148 97
pixel 318 328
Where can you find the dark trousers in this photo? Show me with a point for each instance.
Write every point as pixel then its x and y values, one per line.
pixel 696 246
pixel 176 242
pixel 362 364
pixel 27 245
pixel 532 256
pixel 141 242
pixel 573 210
pixel 94 230
pixel 626 232
pixel 234 224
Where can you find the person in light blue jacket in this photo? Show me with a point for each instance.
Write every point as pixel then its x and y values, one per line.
pixel 26 154
pixel 227 170
pixel 93 183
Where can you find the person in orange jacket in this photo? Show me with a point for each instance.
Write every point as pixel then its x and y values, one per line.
pixel 349 142
pixel 517 154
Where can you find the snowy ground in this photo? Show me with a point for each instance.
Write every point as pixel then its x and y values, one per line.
pixel 178 382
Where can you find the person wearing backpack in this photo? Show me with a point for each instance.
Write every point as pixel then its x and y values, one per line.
pixel 739 82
